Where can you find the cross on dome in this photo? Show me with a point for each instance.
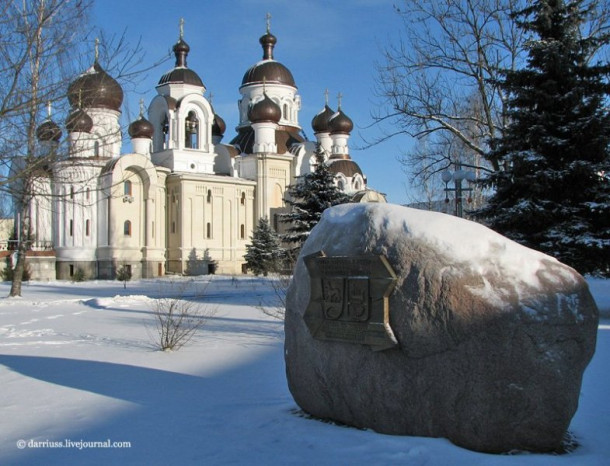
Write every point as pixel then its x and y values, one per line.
pixel 268 20
pixel 181 28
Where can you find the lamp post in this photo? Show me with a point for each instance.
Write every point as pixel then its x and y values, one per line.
pixel 457 177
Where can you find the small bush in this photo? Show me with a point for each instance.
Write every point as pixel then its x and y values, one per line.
pixel 8 272
pixel 177 319
pixel 123 274
pixel 79 275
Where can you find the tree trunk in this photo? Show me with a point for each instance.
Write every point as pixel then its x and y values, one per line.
pixel 18 271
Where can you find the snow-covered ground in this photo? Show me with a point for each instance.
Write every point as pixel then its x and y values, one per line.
pixel 77 364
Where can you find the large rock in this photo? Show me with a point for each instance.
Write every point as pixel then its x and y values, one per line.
pixel 492 338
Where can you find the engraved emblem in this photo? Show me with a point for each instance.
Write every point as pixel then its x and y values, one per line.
pixel 349 299
pixel 332 290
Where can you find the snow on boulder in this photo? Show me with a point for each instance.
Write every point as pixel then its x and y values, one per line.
pixel 454 331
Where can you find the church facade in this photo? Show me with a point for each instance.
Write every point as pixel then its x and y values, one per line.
pixel 183 201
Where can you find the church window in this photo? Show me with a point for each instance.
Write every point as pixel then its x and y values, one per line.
pixel 87 227
pixel 96 148
pixel 127 188
pixel 174 227
pixel 286 111
pixel 71 228
pixel 209 199
pixel 191 128
pixel 165 129
pixel 88 194
pixel 208 230
pixel 127 228
pixel 71 192
pixel 243 198
pixel 242 231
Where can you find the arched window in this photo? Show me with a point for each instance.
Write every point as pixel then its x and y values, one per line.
pixel 286 112
pixel 209 198
pixel 127 228
pixel 165 129
pixel 208 230
pixel 127 188
pixel 87 227
pixel 242 231
pixel 243 198
pixel 191 131
pixel 341 184
pixel 88 193
pixel 71 192
pixel 96 148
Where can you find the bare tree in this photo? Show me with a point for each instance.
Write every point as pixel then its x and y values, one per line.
pixel 439 83
pixel 41 52
pixel 440 78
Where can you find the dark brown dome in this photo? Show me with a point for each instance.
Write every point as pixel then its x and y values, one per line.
pixel 95 89
pixel 48 131
pixel 141 128
pixel 268 69
pixel 218 126
pixel 79 122
pixel 320 121
pixel 265 110
pixel 346 166
pixel 181 74
pixel 340 123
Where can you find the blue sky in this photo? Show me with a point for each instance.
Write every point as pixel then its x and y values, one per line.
pixel 332 45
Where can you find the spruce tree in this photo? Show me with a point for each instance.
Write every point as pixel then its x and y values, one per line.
pixel 311 195
pixel 554 193
pixel 263 254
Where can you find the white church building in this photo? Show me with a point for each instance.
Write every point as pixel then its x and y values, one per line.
pixel 183 199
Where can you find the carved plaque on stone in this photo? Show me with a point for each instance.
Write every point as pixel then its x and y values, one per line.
pixel 349 299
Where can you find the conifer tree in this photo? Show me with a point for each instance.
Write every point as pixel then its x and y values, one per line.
pixel 311 195
pixel 264 253
pixel 554 192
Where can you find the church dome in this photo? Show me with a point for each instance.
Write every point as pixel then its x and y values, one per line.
pixel 268 70
pixel 95 89
pixel 346 166
pixel 320 121
pixel 181 74
pixel 141 128
pixel 340 123
pixel 218 126
pixel 79 122
pixel 48 130
pixel 265 110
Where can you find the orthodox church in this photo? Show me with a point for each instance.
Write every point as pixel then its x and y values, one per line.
pixel 183 201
